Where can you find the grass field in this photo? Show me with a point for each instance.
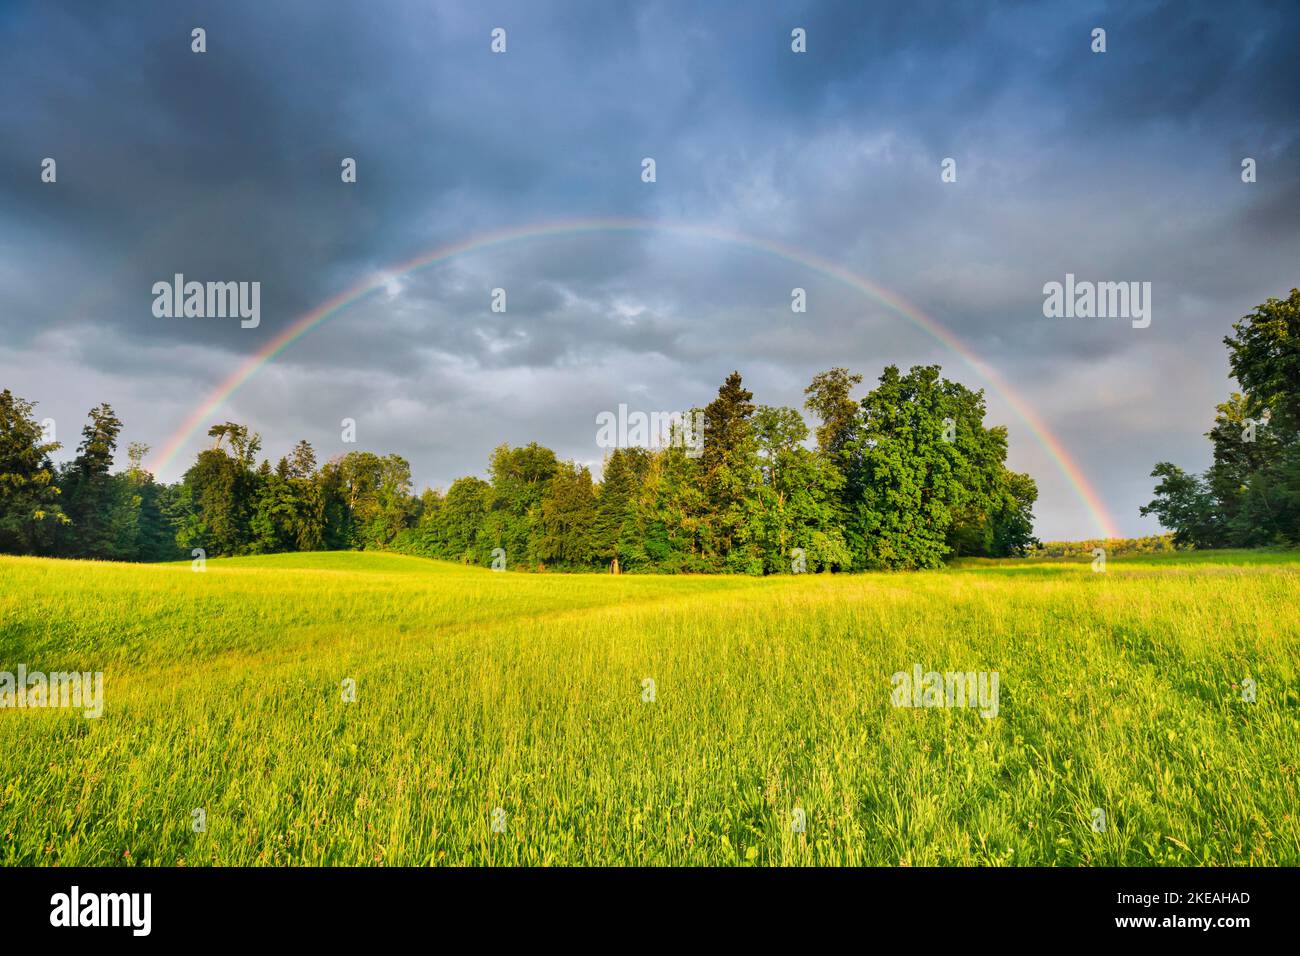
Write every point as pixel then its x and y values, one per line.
pixel 476 691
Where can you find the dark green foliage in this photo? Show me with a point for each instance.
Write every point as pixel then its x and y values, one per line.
pixel 830 398
pixel 1012 518
pixel 928 477
pixel 458 527
pixel 156 535
pixel 377 491
pixel 1264 355
pixel 884 487
pixel 103 512
pixel 568 513
pixel 1250 495
pixel 29 498
pixel 1185 503
pixel 519 479
pixel 793 516
pixel 729 473
pixel 618 531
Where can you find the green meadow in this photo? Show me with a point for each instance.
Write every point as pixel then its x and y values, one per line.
pixel 524 701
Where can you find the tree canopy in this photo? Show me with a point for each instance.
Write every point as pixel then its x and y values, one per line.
pixel 905 477
pixel 1250 494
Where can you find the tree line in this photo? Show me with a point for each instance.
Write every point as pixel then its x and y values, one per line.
pixel 906 477
pixel 1250 494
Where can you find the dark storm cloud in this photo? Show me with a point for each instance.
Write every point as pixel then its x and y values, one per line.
pixel 1122 166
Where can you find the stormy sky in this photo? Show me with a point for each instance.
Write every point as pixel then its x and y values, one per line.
pixel 225 166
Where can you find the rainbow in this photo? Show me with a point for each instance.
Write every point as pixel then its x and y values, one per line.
pixel 207 410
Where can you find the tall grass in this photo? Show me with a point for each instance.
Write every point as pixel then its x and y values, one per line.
pixel 1119 691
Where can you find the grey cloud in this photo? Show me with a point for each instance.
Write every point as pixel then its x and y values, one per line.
pixel 1120 166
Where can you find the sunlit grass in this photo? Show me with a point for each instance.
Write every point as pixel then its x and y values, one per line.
pixel 476 690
